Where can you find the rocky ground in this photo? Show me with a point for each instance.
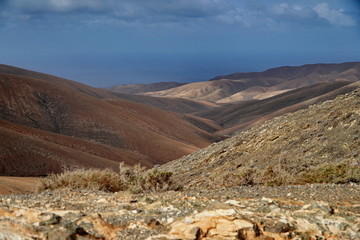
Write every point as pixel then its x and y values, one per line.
pixel 315 145
pixel 287 212
pixel 241 188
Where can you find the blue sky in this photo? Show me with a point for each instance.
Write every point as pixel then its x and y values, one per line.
pixel 107 42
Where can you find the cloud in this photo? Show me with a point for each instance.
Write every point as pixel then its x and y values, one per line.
pixel 333 16
pixel 270 15
pixel 57 6
pixel 246 13
pixel 188 8
pixel 123 8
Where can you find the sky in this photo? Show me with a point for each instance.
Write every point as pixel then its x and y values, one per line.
pixel 108 42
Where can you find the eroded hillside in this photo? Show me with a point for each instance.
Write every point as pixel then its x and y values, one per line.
pixel 50 124
pixel 317 144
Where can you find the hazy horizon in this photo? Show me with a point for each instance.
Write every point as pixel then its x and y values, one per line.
pixel 108 42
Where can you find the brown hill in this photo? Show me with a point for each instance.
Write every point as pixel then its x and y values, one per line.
pixel 143 88
pixel 12 185
pixel 314 145
pixel 26 151
pixel 94 92
pixel 294 72
pixel 147 134
pixel 177 105
pixel 172 105
pixel 211 91
pixel 245 114
pixel 259 85
pixel 105 127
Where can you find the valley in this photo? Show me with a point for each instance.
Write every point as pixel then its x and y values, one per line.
pixel 50 124
pixel 275 159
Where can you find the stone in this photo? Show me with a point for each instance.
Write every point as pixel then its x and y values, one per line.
pixel 248 233
pixel 278 227
pixel 50 219
pixel 60 234
pixel 194 233
pixel 184 215
pixel 152 222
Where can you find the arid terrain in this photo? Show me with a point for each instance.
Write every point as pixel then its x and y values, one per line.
pixel 13 185
pixel 246 213
pixel 288 169
pixel 50 124
pixel 314 145
pixel 259 85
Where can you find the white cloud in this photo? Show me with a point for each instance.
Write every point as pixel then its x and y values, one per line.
pixel 250 13
pixel 60 6
pixel 183 8
pixel 333 16
pixel 271 15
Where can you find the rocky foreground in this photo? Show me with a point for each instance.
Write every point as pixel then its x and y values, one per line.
pixel 287 212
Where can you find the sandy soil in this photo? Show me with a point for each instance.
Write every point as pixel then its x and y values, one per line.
pixel 11 185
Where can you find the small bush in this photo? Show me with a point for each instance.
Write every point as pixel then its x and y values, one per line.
pixel 155 181
pixel 274 177
pixel 93 179
pixel 332 173
pixel 246 176
pixel 135 179
pixel 140 180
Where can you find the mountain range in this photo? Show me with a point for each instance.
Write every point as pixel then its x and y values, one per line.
pixel 49 124
pixel 259 85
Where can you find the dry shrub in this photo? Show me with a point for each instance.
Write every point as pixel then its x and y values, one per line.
pixel 275 176
pixel 153 180
pixel 135 179
pixel 246 176
pixel 332 173
pixel 93 179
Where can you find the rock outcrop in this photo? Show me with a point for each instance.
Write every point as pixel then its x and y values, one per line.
pixel 217 214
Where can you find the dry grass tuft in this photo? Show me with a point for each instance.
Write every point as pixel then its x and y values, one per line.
pixel 93 179
pixel 136 179
pixel 332 173
pixel 153 180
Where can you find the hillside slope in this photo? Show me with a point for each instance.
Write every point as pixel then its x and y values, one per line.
pixel 143 88
pixel 149 134
pixel 166 104
pixel 240 116
pixel 176 105
pixel 259 85
pixel 20 72
pixel 26 151
pixel 317 144
pixel 294 72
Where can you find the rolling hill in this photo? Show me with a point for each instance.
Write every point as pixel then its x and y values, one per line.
pixel 176 105
pixel 143 88
pixel 49 124
pixel 243 115
pixel 260 85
